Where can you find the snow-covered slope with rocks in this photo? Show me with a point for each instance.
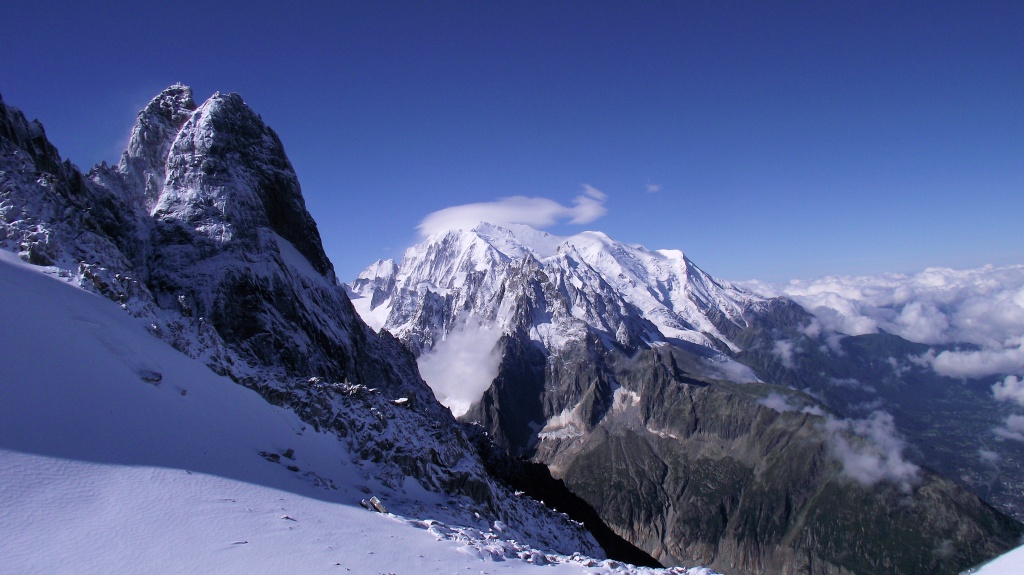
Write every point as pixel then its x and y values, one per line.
pixel 120 454
pixel 199 239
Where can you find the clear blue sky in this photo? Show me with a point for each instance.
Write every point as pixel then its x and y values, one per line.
pixel 785 139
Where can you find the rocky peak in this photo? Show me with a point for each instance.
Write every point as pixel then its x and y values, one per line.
pixel 143 161
pixel 228 178
pixel 376 282
pixel 385 269
pixel 30 138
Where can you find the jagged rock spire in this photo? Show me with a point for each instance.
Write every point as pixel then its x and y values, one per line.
pixel 143 162
pixel 29 137
pixel 228 177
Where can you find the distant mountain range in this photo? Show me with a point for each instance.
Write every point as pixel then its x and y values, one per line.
pixel 704 422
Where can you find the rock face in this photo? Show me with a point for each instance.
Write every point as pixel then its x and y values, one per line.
pixel 144 161
pixel 202 230
pixel 622 370
pixel 702 471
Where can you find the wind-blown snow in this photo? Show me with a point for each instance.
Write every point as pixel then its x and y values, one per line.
pixel 118 454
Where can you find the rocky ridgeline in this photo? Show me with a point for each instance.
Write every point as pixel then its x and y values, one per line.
pixel 202 230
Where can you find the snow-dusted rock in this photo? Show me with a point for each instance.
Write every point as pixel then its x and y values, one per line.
pixel 202 231
pixel 144 161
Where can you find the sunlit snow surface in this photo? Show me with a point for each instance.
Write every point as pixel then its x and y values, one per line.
pixel 1010 563
pixel 120 455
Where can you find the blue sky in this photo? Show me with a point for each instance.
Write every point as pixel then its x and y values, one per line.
pixel 768 140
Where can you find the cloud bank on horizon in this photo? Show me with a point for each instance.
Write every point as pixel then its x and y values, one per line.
pixel 538 213
pixel 982 306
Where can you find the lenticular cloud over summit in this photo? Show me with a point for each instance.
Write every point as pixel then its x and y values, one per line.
pixel 535 212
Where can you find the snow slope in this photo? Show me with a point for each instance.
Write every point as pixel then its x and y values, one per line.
pixel 1011 563
pixel 120 454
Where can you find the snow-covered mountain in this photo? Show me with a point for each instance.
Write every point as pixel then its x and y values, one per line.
pixel 632 295
pixel 219 333
pixel 666 399
pixel 187 388
pixel 120 454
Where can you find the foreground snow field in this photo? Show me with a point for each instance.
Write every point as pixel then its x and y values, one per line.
pixel 67 516
pixel 119 454
pixel 1011 563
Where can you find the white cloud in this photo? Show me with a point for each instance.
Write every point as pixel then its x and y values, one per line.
pixel 653 188
pixel 535 212
pixel 983 306
pixel 1008 360
pixel 1010 389
pixel 460 368
pixel 877 452
pixel 988 456
pixel 1013 428
pixel 732 370
pixel 850 383
pixel 780 403
pixel 812 329
pixel 783 350
pixel 777 402
pixel 869 449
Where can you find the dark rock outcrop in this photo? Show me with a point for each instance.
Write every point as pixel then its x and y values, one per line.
pixel 696 471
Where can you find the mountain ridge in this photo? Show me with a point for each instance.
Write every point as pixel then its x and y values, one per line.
pixel 615 367
pixel 221 260
pixel 662 287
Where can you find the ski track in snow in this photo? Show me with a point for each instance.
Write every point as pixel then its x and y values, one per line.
pixel 119 454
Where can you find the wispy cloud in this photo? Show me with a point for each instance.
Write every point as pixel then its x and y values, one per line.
pixel 784 351
pixel 1013 428
pixel 535 212
pixel 781 404
pixel 870 450
pixel 653 188
pixel 460 368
